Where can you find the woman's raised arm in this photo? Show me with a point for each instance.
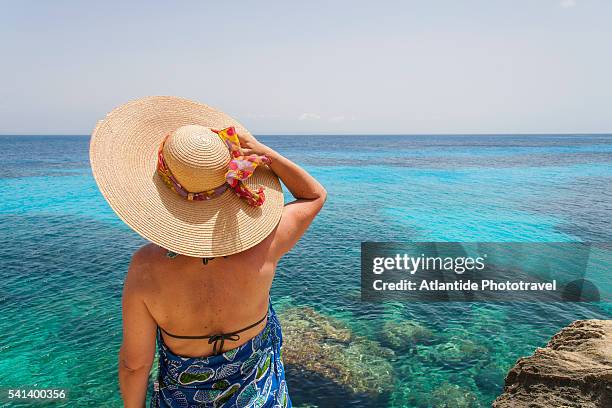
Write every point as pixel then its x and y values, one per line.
pixel 309 196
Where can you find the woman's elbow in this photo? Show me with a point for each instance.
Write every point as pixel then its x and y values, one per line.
pixel 134 364
pixel 132 368
pixel 320 201
pixel 322 193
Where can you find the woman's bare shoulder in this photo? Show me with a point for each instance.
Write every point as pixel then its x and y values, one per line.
pixel 147 254
pixel 142 267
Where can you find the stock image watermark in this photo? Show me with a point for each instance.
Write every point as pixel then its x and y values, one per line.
pixel 496 272
pixel 32 395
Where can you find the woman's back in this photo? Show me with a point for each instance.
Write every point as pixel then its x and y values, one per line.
pixel 189 298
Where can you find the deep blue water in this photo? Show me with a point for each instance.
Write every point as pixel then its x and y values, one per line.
pixel 66 254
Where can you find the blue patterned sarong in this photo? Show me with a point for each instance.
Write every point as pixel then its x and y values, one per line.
pixel 251 375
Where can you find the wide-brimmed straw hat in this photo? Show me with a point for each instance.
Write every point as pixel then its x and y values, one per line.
pixel 172 170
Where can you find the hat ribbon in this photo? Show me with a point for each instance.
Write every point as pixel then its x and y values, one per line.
pixel 239 169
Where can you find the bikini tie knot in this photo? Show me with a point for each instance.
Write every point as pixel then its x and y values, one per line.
pixel 216 338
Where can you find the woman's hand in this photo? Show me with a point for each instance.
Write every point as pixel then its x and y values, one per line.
pixel 250 145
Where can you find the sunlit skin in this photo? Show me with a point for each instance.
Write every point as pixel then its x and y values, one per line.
pixel 186 297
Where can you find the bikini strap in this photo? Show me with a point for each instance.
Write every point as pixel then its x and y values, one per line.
pixel 214 339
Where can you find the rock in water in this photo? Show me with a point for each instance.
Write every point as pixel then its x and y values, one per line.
pixel 450 395
pixel 401 336
pixel 573 370
pixel 320 350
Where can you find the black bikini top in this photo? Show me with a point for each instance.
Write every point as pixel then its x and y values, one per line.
pixel 214 339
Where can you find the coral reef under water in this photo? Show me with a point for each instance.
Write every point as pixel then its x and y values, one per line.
pixel 318 346
pixel 402 335
pixel 398 363
pixel 456 351
pixel 424 387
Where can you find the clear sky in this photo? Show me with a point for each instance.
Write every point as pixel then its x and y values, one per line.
pixel 294 67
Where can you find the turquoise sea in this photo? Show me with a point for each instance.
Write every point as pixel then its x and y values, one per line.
pixel 65 255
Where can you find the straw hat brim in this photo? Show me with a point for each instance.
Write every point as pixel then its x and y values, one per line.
pixel 123 155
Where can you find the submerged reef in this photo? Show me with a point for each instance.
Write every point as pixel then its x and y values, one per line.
pixel 456 351
pixel 324 352
pixel 401 336
pixel 404 362
pixel 398 362
pixel 423 387
pixel 573 370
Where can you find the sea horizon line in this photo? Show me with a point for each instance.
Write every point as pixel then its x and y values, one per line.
pixel 354 134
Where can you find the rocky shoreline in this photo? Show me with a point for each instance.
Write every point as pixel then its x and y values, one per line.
pixel 573 370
